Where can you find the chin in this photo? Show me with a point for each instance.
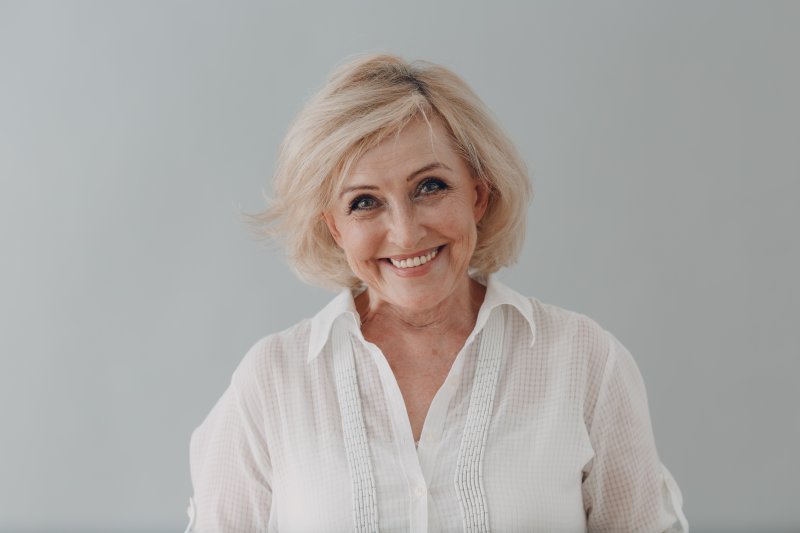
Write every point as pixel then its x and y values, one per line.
pixel 418 299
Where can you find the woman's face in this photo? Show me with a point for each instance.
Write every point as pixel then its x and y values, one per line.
pixel 406 217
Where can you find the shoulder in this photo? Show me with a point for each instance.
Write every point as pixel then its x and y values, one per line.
pixel 273 354
pixel 572 330
pixel 558 335
pixel 255 380
pixel 593 354
pixel 575 343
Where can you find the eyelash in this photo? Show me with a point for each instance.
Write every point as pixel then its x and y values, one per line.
pixel 440 186
pixel 354 204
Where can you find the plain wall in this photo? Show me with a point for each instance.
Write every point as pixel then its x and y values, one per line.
pixel 664 144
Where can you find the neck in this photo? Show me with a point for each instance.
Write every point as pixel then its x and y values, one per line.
pixel 456 313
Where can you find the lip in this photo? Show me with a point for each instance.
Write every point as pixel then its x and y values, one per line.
pixel 421 270
pixel 415 254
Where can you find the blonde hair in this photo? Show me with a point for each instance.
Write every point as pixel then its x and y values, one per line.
pixel 363 102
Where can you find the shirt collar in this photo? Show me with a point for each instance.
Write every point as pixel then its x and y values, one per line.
pixel 343 305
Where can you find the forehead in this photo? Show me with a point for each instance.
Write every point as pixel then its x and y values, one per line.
pixel 419 143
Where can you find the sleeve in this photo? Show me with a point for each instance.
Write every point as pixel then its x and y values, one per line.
pixel 625 486
pixel 230 465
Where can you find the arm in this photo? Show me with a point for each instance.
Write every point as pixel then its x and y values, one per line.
pixel 625 487
pixel 230 464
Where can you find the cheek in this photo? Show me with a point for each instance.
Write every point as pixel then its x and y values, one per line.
pixel 456 222
pixel 359 242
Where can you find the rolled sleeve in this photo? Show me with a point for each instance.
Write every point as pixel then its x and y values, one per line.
pixel 625 487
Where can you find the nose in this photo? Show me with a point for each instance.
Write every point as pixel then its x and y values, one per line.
pixel 406 231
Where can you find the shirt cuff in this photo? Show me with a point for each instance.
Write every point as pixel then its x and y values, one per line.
pixel 192 512
pixel 674 500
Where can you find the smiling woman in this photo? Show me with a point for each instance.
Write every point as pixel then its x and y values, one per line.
pixel 427 396
pixel 407 221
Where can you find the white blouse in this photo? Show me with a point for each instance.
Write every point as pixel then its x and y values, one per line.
pixel 542 424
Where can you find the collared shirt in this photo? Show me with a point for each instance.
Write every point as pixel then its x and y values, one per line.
pixel 541 424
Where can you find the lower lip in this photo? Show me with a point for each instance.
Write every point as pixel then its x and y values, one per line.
pixel 420 270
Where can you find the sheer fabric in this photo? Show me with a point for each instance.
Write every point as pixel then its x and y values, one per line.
pixel 542 424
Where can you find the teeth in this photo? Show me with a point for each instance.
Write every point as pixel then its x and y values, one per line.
pixel 414 261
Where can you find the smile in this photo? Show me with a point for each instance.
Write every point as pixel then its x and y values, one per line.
pixel 411 262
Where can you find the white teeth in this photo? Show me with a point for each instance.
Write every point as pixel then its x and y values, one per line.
pixel 414 261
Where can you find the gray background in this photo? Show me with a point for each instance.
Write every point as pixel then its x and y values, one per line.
pixel 664 140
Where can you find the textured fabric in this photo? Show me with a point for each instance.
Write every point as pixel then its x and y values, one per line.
pixel 365 513
pixel 551 432
pixel 469 466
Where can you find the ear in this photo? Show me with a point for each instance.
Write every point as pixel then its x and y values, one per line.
pixel 331 223
pixel 481 199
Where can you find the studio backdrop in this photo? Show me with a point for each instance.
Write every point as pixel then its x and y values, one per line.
pixel 662 139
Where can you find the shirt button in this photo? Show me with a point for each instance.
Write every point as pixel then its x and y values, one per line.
pixel 419 492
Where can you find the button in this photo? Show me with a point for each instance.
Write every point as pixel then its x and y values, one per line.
pixel 420 492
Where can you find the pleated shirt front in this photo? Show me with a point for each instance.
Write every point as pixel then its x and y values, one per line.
pixel 542 424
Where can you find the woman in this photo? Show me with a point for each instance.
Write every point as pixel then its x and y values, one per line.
pixel 427 396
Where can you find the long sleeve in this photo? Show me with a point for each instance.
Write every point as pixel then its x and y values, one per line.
pixel 626 488
pixel 273 453
pixel 230 464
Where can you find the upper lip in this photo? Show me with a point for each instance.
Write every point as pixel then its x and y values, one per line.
pixel 415 254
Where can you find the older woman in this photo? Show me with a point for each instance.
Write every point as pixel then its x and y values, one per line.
pixel 427 396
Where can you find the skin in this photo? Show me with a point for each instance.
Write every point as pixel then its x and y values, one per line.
pixel 410 195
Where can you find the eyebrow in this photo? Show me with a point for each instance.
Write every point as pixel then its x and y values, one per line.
pixel 426 168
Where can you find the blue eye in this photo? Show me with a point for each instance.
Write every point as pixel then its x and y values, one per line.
pixel 431 185
pixel 363 203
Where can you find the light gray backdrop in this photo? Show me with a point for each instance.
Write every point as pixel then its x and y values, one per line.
pixel 664 139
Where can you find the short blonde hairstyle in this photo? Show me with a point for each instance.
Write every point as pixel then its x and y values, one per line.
pixel 363 102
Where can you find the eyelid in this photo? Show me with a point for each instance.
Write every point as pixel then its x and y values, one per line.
pixel 442 184
pixel 357 198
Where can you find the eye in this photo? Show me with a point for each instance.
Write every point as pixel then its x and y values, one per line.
pixel 363 203
pixel 431 186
